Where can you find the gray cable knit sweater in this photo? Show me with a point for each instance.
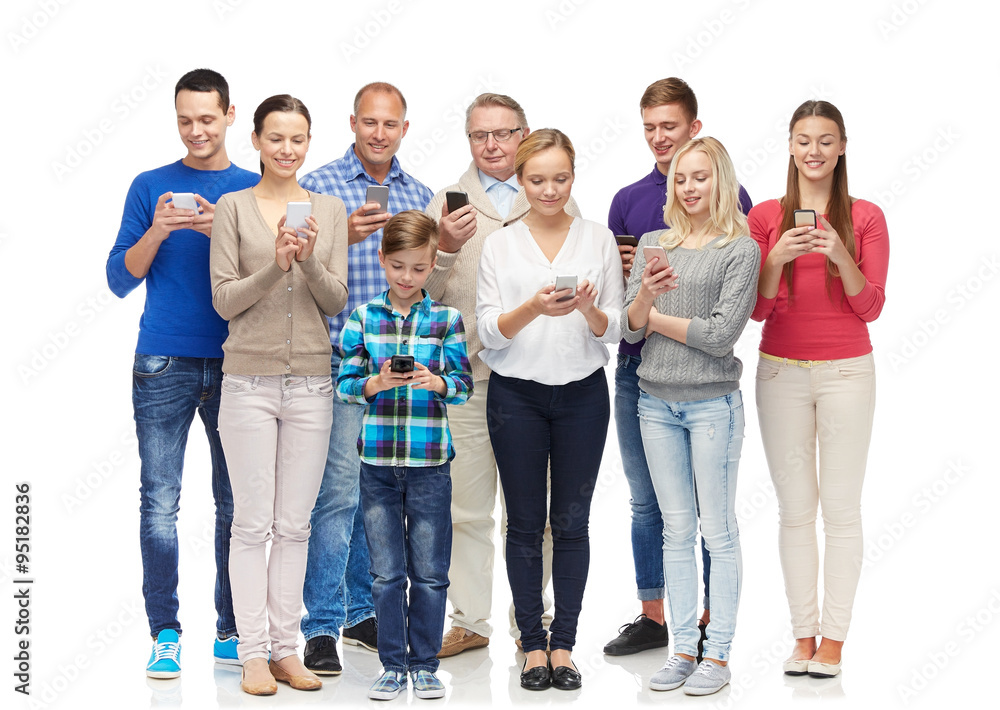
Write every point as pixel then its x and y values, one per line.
pixel 717 290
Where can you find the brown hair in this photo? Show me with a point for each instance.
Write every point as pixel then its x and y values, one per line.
pixel 839 206
pixel 411 229
pixel 540 140
pixel 378 87
pixel 670 91
pixel 283 103
pixel 501 100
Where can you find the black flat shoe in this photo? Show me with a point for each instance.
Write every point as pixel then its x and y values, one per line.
pixel 537 678
pixel 566 678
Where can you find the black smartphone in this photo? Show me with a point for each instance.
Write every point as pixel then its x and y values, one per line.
pixel 456 200
pixel 626 240
pixel 805 218
pixel 401 363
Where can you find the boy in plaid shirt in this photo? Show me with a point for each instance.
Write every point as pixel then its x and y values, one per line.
pixel 405 449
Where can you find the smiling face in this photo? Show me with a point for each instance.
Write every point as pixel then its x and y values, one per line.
pixel 547 177
pixel 494 158
pixel 407 270
pixel 667 127
pixel 816 145
pixel 283 143
pixel 202 125
pixel 693 180
pixel 379 127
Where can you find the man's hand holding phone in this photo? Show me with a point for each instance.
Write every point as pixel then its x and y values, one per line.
pixel 365 221
pixel 167 218
pixel 457 225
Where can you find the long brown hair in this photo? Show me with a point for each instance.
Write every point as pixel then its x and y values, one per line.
pixel 839 206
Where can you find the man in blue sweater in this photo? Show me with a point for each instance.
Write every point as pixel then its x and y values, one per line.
pixel 178 359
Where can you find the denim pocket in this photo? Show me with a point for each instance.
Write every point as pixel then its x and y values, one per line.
pixel 150 365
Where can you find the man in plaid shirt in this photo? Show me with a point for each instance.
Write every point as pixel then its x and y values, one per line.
pixel 405 448
pixel 337 590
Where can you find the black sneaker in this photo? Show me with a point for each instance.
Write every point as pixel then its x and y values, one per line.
pixel 321 656
pixel 640 635
pixel 364 634
pixel 703 630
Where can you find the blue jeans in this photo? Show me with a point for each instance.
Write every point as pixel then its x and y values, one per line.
pixel 407 513
pixel 338 586
pixel 166 392
pixel 537 428
pixel 693 451
pixel 647 523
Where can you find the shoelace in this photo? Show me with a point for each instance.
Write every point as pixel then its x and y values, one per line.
pixel 705 668
pixel 631 627
pixel 671 662
pixel 168 650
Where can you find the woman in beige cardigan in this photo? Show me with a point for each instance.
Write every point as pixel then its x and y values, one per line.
pixel 275 285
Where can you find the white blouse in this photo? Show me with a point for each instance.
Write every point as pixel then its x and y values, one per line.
pixel 552 350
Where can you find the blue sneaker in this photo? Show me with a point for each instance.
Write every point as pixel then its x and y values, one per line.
pixel 388 686
pixel 225 651
pixel 426 685
pixel 165 660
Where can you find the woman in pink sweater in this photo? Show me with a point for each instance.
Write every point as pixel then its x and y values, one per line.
pixel 819 287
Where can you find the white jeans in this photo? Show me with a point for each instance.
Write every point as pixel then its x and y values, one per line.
pixel 831 404
pixel 275 431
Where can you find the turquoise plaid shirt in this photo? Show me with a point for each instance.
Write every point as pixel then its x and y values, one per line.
pixel 405 426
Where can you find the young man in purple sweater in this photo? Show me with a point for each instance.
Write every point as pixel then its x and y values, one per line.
pixel 178 359
pixel 670 119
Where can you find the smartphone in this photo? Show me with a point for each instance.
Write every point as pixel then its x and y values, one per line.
pixel 379 194
pixel 654 252
pixel 296 213
pixel 456 200
pixel 805 218
pixel 626 240
pixel 401 363
pixel 564 282
pixel 184 201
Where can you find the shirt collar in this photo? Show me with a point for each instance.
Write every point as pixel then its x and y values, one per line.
pixel 658 177
pixel 488 181
pixel 353 169
pixel 423 304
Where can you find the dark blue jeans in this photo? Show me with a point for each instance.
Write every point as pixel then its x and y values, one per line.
pixel 532 426
pixel 407 513
pixel 647 523
pixel 166 392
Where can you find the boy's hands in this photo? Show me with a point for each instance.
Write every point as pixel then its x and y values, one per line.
pixel 420 378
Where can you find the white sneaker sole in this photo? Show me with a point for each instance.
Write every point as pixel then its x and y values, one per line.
pixel 688 690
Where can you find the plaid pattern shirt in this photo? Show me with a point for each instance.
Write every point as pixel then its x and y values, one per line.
pixel 346 178
pixel 405 426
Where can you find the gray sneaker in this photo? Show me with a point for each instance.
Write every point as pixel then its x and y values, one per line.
pixel 708 679
pixel 673 674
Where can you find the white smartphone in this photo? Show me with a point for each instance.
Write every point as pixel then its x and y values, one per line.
pixel 184 201
pixel 656 252
pixel 296 213
pixel 564 282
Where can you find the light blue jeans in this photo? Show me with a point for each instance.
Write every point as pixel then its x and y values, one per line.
pixel 693 452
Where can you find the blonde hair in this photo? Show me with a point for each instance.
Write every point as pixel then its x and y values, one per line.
pixel 407 230
pixel 724 215
pixel 542 139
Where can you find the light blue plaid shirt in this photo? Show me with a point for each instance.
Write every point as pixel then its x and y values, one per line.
pixel 346 178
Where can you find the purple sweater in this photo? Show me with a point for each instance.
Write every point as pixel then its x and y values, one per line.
pixel 638 209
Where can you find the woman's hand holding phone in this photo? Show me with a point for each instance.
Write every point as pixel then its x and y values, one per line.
pixel 306 238
pixel 656 282
pixel 826 241
pixel 586 294
pixel 286 246
pixel 791 245
pixel 547 302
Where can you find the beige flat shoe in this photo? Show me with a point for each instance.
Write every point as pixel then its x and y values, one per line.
pixel 304 681
pixel 796 666
pixel 261 681
pixel 823 670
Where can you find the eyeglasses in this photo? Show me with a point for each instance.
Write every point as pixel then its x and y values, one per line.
pixel 501 135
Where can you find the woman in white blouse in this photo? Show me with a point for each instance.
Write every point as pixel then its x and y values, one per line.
pixel 547 404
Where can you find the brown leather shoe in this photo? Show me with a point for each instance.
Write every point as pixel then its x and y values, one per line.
pixel 301 679
pixel 458 639
pixel 260 682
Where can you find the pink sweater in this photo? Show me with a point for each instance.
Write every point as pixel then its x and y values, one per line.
pixel 818 325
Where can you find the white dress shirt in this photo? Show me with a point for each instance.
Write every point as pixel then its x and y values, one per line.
pixel 552 350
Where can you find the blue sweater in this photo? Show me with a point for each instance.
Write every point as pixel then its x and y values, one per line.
pixel 178 319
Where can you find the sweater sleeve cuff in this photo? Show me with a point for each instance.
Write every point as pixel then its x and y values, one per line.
pixel 629 335
pixel 695 336
pixel 864 300
pixel 270 275
pixel 120 279
pixel 311 269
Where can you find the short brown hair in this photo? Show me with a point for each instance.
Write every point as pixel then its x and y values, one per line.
pixel 670 91
pixel 407 230
pixel 501 100
pixel 543 139
pixel 378 87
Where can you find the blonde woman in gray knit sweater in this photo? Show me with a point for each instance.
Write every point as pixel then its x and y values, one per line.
pixel 275 285
pixel 691 312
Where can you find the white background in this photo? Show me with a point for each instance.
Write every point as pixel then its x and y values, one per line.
pixel 87 93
